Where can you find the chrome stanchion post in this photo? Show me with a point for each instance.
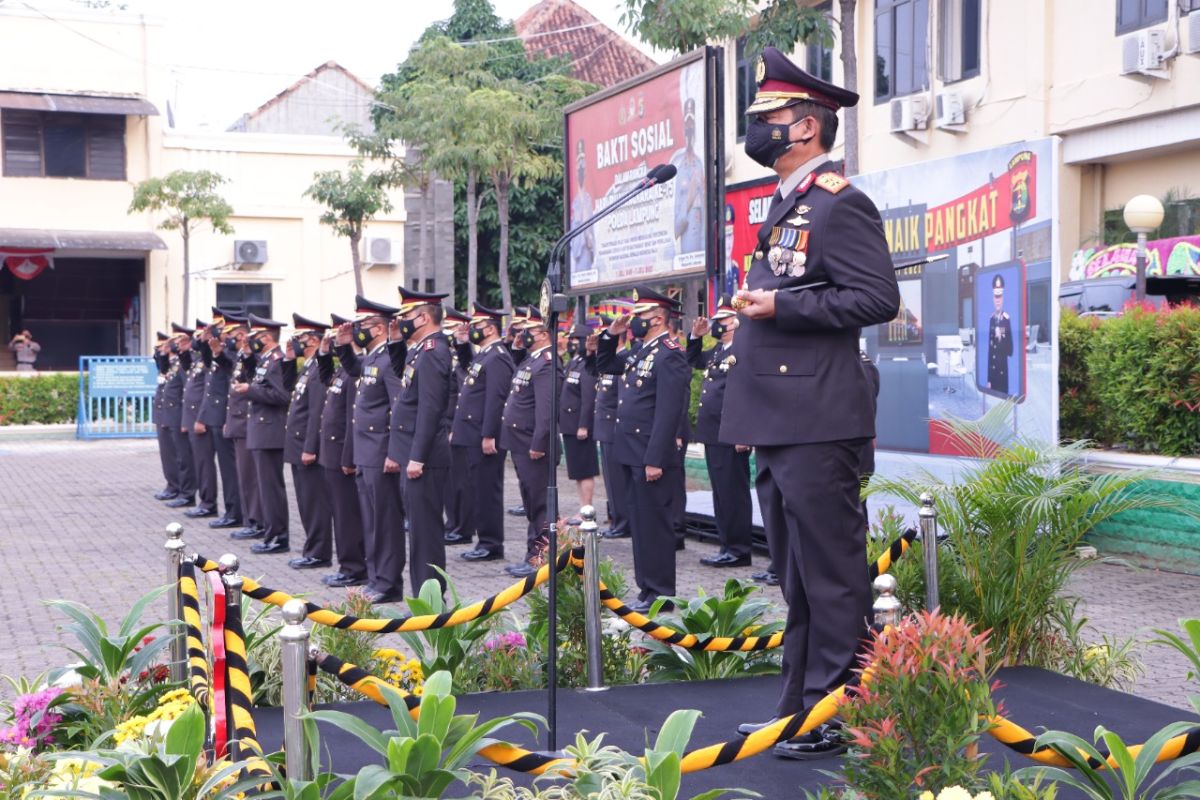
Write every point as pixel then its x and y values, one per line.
pixel 177 651
pixel 886 609
pixel 228 566
pixel 294 643
pixel 929 548
pixel 591 600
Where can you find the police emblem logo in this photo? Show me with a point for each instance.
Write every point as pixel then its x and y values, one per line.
pixel 760 70
pixel 635 295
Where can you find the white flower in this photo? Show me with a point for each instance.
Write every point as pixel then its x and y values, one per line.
pixel 70 678
pixel 954 793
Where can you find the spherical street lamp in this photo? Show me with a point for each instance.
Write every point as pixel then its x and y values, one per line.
pixel 1143 214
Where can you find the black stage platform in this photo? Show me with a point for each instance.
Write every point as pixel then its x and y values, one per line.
pixel 630 716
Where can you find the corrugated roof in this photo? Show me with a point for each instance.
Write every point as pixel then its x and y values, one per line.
pixel 598 54
pixel 312 76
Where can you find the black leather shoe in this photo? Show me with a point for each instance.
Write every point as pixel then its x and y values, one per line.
pixel 305 562
pixel 725 560
pixel 747 728
pixel 829 742
pixel 340 580
pixel 270 548
pixel 225 522
pixel 454 537
pixel 521 570
pixel 766 576
pixel 517 511
pixel 643 606
pixel 181 502
pixel 612 534
pixel 480 554
pixel 197 513
pixel 248 533
pixel 679 545
pixel 166 494
pixel 375 598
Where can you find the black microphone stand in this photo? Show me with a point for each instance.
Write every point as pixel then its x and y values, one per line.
pixel 553 302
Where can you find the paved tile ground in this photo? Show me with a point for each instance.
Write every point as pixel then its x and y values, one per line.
pixel 77 521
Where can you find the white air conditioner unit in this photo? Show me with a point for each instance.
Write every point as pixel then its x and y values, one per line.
pixel 1191 33
pixel 1142 53
pixel 950 109
pixel 249 252
pixel 379 251
pixel 909 113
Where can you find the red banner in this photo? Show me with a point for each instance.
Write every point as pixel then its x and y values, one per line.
pixel 26 263
pixel 1007 200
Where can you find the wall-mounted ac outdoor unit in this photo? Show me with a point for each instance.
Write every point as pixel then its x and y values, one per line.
pixel 950 109
pixel 1190 33
pixel 909 114
pixel 249 253
pixel 1142 53
pixel 380 251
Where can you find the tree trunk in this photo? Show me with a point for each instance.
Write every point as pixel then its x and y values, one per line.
pixel 423 241
pixel 502 185
pixel 356 260
pixel 472 234
pixel 187 269
pixel 849 9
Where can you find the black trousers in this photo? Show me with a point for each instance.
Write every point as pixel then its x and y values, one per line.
pixel 809 496
pixel 533 476
pixel 227 466
pixel 315 513
pixel 347 522
pixel 616 488
pixel 455 496
pixel 168 457
pixel 383 529
pixel 423 500
pixel 679 500
pixel 268 469
pixel 247 479
pixel 651 507
pixel 729 474
pixel 204 455
pixel 185 464
pixel 487 498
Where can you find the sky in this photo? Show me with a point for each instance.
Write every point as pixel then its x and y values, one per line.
pixel 227 57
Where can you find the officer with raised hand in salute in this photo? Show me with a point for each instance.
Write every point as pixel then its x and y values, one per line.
pixel 651 397
pixel 458 526
pixel 214 412
pixel 475 434
pixel 237 417
pixel 303 444
pixel 728 465
pixel 419 441
pixel 377 372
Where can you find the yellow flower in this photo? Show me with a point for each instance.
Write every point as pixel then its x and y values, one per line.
pixel 417 692
pixel 984 796
pixel 926 795
pixel 954 793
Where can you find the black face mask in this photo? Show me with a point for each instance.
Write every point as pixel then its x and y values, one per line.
pixel 526 339
pixel 256 345
pixel 718 330
pixel 476 335
pixel 639 327
pixel 230 343
pixel 572 348
pixel 362 336
pixel 766 143
pixel 408 327
pixel 173 346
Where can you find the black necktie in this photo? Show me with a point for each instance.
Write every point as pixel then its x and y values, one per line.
pixel 776 199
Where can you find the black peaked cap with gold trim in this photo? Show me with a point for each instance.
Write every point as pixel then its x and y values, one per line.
pixel 265 325
pixel 364 308
pixel 303 324
pixel 481 313
pixel 451 314
pixel 179 330
pixel 781 84
pixel 338 319
pixel 646 299
pixel 410 299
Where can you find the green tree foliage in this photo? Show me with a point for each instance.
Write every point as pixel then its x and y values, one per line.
pixel 684 25
pixel 190 198
pixel 351 200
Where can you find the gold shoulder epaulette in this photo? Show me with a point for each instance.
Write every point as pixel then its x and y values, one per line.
pixel 832 182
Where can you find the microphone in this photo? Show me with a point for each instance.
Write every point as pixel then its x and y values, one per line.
pixel 660 174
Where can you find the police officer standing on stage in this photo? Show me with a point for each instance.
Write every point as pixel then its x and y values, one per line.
pixel 237 418
pixel 303 444
pixel 798 392
pixel 268 392
pixel 526 433
pixel 177 374
pixel 377 372
pixel 336 458
pixel 728 465
pixel 158 413
pixel 651 399
pixel 475 433
pixel 210 421
pixel 420 436
pixel 576 416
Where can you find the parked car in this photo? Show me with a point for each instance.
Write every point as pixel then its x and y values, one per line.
pixel 1100 297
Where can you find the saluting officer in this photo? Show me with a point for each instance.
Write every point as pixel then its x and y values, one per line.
pixel 605 422
pixel 377 373
pixel 475 433
pixel 302 446
pixel 420 438
pixel 728 465
pixel 515 343
pixel 199 358
pixel 651 397
pixel 269 392
pixel 336 457
pixel 526 433
pixel 237 418
pixel 798 392
pixel 576 416
pixel 158 410
pixel 177 373
pixel 210 422
pixel 454 326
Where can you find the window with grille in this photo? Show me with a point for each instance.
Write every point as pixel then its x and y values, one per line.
pixel 245 298
pixel 53 145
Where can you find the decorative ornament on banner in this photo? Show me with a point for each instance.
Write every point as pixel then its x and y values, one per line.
pixel 26 263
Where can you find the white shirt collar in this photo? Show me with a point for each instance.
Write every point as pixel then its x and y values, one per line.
pixel 789 184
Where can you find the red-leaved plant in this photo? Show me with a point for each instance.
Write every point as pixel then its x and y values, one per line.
pixel 924 701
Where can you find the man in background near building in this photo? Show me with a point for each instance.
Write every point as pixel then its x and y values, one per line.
pixel 302 446
pixel 26 350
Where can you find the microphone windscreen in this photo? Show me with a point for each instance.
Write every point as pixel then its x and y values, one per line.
pixel 663 173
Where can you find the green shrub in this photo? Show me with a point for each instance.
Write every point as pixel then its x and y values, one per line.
pixel 1078 409
pixel 45 399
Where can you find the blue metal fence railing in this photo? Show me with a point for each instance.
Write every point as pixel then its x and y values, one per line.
pixel 116 397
